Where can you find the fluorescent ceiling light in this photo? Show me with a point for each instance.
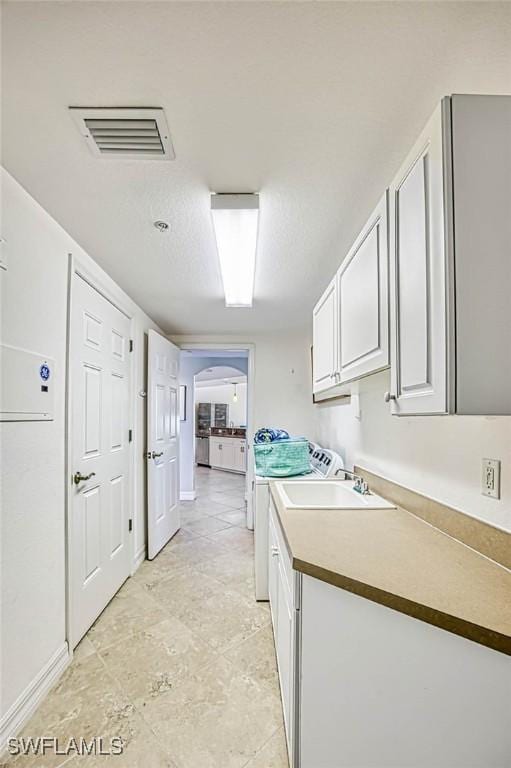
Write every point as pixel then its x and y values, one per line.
pixel 235 220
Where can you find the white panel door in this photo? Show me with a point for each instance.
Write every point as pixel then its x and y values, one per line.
pixel 363 300
pixel 418 278
pixel 101 491
pixel 324 331
pixel 162 442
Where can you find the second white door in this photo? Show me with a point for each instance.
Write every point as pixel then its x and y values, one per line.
pixel 162 442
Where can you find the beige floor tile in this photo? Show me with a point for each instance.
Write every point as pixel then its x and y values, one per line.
pixel 87 703
pixel 188 553
pixel 191 514
pixel 217 718
pixel 234 538
pixel 140 748
pixel 234 569
pixel 83 649
pixel 235 517
pixel 226 500
pixel 186 591
pixel 152 572
pixel 256 656
pixel 224 619
pixel 273 754
pixel 208 507
pixel 128 612
pixel 149 663
pixel 208 525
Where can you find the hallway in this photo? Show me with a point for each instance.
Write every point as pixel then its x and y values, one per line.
pixel 181 663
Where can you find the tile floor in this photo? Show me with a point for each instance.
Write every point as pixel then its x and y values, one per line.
pixel 181 663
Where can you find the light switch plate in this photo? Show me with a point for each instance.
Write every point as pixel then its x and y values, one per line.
pixel 490 481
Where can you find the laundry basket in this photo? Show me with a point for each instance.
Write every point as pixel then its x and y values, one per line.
pixel 282 458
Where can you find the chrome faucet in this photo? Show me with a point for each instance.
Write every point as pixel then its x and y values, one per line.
pixel 360 484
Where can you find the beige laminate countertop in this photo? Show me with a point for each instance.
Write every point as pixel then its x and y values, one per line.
pixel 391 557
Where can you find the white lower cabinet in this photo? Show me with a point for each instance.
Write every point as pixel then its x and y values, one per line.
pixel 366 686
pixel 283 614
pixel 228 453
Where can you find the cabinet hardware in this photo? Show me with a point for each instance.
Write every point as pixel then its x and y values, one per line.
pixel 155 455
pixel 388 397
pixel 79 478
pixel 275 551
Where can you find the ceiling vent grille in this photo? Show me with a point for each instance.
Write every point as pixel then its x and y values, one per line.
pixel 125 132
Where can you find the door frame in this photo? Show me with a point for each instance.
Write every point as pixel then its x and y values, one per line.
pixel 249 347
pixel 99 281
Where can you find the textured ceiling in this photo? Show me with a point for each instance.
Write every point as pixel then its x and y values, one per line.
pixel 311 104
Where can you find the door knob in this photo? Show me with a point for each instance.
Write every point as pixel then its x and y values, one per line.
pixel 155 455
pixel 388 397
pixel 79 478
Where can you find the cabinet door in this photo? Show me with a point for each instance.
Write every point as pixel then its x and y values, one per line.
pixel 243 456
pixel 273 577
pixel 418 277
pixel 363 300
pixel 240 455
pixel 284 650
pixel 227 451
pixel 324 354
pixel 215 452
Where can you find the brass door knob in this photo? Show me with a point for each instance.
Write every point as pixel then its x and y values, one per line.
pixel 79 478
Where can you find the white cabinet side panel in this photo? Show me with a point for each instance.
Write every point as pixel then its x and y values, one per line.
pixel 482 219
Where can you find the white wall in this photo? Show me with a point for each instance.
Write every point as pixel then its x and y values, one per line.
pixel 34 311
pixel 223 393
pixel 439 456
pixel 282 385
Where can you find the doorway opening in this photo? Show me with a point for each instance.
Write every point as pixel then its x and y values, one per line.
pixel 216 417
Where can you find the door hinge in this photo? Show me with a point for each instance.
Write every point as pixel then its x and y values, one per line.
pixel 131 345
pixel 130 435
pixel 130 525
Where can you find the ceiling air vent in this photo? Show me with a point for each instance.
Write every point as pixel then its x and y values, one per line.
pixel 125 132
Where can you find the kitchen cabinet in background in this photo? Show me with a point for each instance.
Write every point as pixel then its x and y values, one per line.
pixel 228 453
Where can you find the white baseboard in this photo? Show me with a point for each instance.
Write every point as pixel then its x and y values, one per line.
pixel 139 559
pixel 25 705
pixel 188 495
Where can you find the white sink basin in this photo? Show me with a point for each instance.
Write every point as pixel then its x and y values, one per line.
pixel 328 494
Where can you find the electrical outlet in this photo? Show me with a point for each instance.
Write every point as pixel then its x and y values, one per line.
pixel 490 485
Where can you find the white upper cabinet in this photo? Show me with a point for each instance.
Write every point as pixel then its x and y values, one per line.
pixel 418 273
pixel 363 300
pixel 325 340
pixel 450 235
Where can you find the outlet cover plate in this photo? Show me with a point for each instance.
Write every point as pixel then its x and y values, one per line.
pixel 490 480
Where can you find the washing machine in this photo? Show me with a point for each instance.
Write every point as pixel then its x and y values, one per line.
pixel 324 464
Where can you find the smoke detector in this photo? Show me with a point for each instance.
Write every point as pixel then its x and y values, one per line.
pixel 125 132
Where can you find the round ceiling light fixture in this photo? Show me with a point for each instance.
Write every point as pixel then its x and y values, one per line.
pixel 161 226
